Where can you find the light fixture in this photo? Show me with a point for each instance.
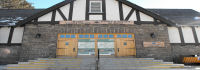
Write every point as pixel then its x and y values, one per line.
pixel 38 35
pixel 153 35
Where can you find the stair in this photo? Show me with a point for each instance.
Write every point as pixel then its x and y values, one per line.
pixel 89 63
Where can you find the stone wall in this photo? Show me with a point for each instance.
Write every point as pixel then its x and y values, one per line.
pixel 9 54
pixel 45 46
pixel 180 51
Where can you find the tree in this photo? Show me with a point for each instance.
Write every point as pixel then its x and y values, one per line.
pixel 15 4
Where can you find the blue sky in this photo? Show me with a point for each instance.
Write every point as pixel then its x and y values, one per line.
pixel 166 4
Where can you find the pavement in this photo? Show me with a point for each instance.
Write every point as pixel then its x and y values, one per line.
pixel 89 63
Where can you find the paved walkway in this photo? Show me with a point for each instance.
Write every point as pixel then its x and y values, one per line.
pixel 89 63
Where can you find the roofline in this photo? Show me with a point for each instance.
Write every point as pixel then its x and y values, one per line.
pixel 168 22
pixel 37 15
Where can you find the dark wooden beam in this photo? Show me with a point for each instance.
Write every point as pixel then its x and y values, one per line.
pixel 129 14
pixel 104 9
pixel 168 22
pixel 53 17
pixel 45 22
pixel 181 35
pixel 71 10
pixel 10 35
pixel 147 22
pixel 195 35
pixel 87 9
pixel 44 12
pixel 62 15
pixel 121 14
pixel 138 15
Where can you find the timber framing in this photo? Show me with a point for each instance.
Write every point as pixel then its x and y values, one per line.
pixel 87 9
pixel 104 9
pixel 121 14
pixel 134 6
pixel 138 15
pixel 168 22
pixel 195 35
pixel 10 36
pixel 181 35
pixel 129 14
pixel 71 10
pixel 37 15
pixel 62 15
pixel 45 22
pixel 53 16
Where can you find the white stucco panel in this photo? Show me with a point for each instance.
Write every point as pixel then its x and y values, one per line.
pixel 17 35
pixel 188 35
pixel 58 17
pixel 145 17
pixel 126 10
pixel 96 17
pixel 112 10
pixel 79 10
pixel 198 33
pixel 133 17
pixel 46 17
pixel 174 35
pixel 4 34
pixel 65 10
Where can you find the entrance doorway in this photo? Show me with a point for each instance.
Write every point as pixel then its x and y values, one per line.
pixel 115 44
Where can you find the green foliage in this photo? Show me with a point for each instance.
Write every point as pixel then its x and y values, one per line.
pixel 15 4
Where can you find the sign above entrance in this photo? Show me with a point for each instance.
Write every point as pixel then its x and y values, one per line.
pixel 153 44
pixel 96 36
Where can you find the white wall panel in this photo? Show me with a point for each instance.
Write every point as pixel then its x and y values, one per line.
pixel 17 35
pixel 126 10
pixel 46 17
pixel 145 17
pixel 133 17
pixel 198 33
pixel 58 17
pixel 4 34
pixel 174 35
pixel 112 10
pixel 65 10
pixel 95 17
pixel 79 10
pixel 188 35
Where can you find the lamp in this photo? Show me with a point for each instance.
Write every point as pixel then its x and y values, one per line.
pixel 153 35
pixel 38 35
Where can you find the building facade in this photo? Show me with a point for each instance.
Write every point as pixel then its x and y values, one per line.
pixel 114 27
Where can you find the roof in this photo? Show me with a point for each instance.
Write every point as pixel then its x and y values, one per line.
pixel 179 16
pixel 9 17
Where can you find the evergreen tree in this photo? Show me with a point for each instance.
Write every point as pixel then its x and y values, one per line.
pixel 15 4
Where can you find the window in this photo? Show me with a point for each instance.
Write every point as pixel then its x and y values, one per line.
pixel 81 36
pixel 129 36
pixel 67 36
pixel 62 36
pixel 91 36
pixel 67 43
pixel 125 43
pixel 119 36
pixel 105 36
pixel 111 36
pixel 73 36
pixel 95 7
pixel 124 36
pixel 99 36
pixel 86 36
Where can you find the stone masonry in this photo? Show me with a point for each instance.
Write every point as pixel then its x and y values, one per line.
pixel 45 46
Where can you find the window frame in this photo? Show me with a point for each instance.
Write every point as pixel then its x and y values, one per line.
pixel 90 7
